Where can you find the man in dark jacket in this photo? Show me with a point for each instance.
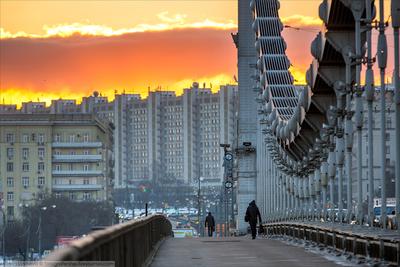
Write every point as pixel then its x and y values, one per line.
pixel 210 224
pixel 252 213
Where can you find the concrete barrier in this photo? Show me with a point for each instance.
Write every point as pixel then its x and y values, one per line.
pixel 128 244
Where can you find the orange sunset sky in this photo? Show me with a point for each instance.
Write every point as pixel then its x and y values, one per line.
pixel 68 49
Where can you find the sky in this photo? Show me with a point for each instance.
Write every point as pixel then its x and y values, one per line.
pixel 68 49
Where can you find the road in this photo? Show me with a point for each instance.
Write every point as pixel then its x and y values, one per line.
pixel 234 252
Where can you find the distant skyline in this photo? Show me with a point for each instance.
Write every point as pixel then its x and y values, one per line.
pixel 68 49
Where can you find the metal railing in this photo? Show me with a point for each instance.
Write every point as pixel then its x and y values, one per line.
pixel 354 240
pixel 127 244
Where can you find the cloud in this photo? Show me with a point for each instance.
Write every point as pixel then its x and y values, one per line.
pixel 178 18
pixel 301 21
pixel 77 65
pixel 177 21
pixel 167 23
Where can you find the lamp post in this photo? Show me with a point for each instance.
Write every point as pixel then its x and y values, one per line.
pixel 228 178
pixel 198 206
pixel 40 228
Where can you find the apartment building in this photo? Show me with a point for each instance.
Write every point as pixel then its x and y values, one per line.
pixel 43 154
pixel 377 145
pixel 162 138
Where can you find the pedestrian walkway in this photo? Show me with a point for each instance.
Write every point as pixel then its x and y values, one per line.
pixel 235 251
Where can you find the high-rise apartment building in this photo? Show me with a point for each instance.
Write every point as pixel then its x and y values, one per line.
pixel 164 138
pixel 59 154
pixel 377 147
pixel 175 139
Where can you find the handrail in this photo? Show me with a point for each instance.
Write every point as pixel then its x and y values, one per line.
pixel 127 244
pixel 379 244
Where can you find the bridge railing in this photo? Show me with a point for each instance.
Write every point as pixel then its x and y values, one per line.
pixel 128 244
pixel 354 240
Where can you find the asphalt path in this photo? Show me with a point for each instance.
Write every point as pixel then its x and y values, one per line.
pixel 235 251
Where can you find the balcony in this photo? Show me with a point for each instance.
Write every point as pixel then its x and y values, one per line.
pixel 77 173
pixel 77 158
pixel 76 145
pixel 76 187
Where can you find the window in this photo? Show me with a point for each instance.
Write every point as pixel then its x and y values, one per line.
pixel 86 152
pixel 86 167
pixel 57 138
pixel 10 152
pixel 10 212
pixel 41 166
pixel 25 181
pixel 389 123
pixel 41 180
pixel 85 181
pixel 86 195
pixel 10 138
pixel 387 149
pixel 58 167
pixel 72 195
pixel 86 137
pixel 72 138
pixel 41 138
pixel 25 153
pixel 10 166
pixel 10 196
pixel 25 167
pixel 25 138
pixel 10 181
pixel 41 152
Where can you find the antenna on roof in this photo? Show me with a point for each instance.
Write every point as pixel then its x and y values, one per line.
pixel 235 78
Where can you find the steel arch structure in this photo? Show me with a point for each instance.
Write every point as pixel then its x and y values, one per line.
pixel 309 132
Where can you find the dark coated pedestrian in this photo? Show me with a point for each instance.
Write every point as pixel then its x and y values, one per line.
pixel 252 213
pixel 210 224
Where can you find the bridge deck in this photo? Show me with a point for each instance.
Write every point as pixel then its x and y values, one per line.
pixel 234 252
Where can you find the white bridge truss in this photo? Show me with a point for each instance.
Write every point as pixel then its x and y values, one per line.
pixel 309 132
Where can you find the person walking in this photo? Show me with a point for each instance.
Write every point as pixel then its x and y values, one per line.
pixel 252 213
pixel 210 224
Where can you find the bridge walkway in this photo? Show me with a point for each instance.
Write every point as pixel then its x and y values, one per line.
pixel 235 251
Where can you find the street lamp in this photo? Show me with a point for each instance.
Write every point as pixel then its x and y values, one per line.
pixel 40 228
pixel 198 205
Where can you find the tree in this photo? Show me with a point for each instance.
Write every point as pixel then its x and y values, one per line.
pixel 68 218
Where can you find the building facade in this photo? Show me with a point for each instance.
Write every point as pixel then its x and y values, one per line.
pixel 163 139
pixel 44 154
pixel 377 147
pixel 175 139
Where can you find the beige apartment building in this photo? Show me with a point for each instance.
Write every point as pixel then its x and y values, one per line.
pixel 63 155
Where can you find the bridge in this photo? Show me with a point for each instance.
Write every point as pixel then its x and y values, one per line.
pixel 149 242
pixel 305 159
